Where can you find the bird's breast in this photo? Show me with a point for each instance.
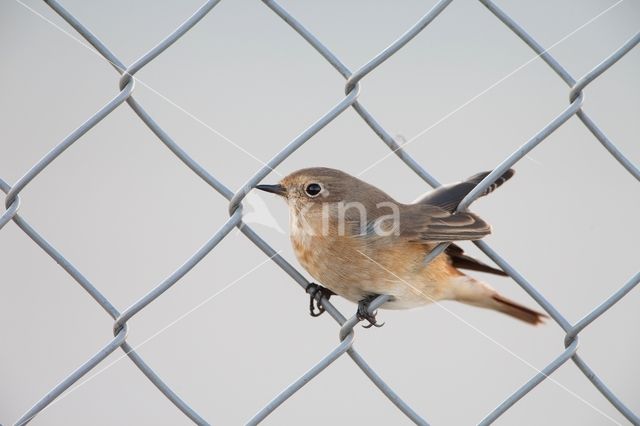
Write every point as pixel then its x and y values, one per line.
pixel 320 250
pixel 308 245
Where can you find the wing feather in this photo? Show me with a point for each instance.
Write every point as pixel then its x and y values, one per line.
pixel 425 223
pixel 449 196
pixel 463 261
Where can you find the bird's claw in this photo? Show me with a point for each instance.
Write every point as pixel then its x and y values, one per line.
pixel 316 293
pixel 363 313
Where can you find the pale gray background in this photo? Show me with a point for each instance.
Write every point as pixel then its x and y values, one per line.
pixel 126 212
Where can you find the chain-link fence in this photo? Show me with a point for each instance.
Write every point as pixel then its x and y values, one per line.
pixel 352 78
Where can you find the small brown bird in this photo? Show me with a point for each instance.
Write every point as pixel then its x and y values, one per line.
pixel 360 243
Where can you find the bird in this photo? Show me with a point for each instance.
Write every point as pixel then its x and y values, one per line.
pixel 359 243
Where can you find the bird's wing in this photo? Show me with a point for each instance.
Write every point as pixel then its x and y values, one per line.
pixel 460 260
pixel 425 223
pixel 449 196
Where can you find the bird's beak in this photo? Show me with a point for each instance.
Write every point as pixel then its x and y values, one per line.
pixel 275 189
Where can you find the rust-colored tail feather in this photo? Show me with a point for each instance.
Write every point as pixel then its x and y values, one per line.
pixel 518 311
pixel 473 292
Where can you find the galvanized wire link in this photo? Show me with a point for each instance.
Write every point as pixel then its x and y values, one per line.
pixel 346 334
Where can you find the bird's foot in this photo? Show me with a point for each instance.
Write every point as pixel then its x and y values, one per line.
pixel 316 293
pixel 363 312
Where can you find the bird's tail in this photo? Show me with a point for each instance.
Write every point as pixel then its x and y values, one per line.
pixel 516 310
pixel 473 292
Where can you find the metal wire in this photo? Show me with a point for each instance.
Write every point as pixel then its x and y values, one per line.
pixel 352 89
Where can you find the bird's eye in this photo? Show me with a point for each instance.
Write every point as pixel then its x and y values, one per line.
pixel 313 189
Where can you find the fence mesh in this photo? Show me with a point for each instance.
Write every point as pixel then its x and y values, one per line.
pixel 352 78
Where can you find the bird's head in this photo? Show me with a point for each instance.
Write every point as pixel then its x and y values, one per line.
pixel 322 196
pixel 310 188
